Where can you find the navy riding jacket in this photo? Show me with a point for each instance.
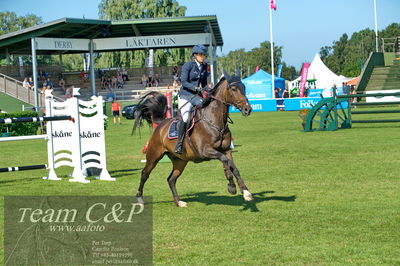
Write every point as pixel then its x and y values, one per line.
pixel 192 77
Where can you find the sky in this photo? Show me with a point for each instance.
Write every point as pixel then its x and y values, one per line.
pixel 301 27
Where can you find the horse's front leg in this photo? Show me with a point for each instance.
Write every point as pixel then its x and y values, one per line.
pixel 178 166
pixel 230 168
pixel 246 194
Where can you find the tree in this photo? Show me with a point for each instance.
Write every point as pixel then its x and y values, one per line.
pixel 346 56
pixel 137 9
pixel 10 22
pixel 260 56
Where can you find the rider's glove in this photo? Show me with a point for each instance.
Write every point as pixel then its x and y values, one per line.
pixel 204 94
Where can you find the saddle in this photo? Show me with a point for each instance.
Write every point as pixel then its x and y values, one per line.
pixel 173 127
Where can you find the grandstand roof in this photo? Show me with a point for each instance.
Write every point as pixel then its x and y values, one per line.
pixel 19 42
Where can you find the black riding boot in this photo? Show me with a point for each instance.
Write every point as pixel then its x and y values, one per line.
pixel 181 135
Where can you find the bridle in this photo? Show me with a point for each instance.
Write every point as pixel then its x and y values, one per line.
pixel 235 104
pixel 222 130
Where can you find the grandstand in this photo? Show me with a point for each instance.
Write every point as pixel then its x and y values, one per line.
pixel 131 89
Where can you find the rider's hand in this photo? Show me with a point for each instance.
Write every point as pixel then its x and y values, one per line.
pixel 204 94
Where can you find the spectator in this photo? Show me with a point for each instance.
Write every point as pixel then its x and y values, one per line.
pixel 352 91
pixel 157 80
pixel 109 81
pixel 120 82
pixel 26 84
pixel 110 95
pixel 345 88
pixel 48 84
pixel 31 83
pixel 285 93
pixel 40 73
pixel 116 110
pixel 114 82
pixel 175 71
pixel 82 75
pixel 103 81
pixel 44 88
pixel 69 91
pixel 277 90
pixel 125 75
pixel 175 85
pixel 61 83
pixel 144 80
pixel 177 78
pixel 334 90
pixel 278 95
pixel 150 81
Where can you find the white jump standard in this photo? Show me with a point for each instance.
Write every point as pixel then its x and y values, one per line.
pixel 75 137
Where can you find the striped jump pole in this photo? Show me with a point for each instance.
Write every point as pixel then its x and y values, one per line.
pixel 33 119
pixel 23 168
pixel 5 139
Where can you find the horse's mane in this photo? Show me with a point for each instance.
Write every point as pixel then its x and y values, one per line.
pixel 151 107
pixel 230 79
pixel 214 89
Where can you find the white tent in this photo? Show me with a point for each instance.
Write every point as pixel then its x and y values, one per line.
pixel 325 78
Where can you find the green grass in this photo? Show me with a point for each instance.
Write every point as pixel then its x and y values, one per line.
pixel 322 198
pixel 11 104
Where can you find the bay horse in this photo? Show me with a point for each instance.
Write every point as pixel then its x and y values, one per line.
pixel 209 139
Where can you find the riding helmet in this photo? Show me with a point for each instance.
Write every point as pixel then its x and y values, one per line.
pixel 199 49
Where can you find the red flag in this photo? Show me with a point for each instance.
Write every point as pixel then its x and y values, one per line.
pixel 273 4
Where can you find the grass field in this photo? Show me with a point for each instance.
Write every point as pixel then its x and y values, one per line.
pixel 323 198
pixel 11 104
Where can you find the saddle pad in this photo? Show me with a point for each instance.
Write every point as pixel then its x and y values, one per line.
pixel 173 129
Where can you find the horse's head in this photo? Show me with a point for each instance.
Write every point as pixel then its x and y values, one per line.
pixel 235 94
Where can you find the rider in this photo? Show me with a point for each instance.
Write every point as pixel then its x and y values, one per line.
pixel 194 82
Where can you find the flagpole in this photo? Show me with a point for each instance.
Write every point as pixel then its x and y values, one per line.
pixel 272 51
pixel 376 28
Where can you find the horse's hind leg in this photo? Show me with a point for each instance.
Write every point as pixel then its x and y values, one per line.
pixel 178 167
pixel 152 157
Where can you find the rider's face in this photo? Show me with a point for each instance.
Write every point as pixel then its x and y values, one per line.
pixel 200 57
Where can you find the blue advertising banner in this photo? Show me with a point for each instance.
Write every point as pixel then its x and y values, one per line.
pixel 290 104
pixel 259 105
pixel 315 92
pixel 294 104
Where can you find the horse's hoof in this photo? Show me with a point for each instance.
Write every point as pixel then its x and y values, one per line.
pixel 232 189
pixel 140 200
pixel 247 195
pixel 182 204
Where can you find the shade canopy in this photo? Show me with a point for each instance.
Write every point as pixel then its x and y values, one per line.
pixel 259 85
pixel 325 78
pixel 19 42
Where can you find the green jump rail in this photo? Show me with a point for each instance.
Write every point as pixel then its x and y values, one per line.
pixel 333 116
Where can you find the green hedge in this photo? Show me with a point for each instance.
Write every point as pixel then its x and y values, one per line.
pixel 20 129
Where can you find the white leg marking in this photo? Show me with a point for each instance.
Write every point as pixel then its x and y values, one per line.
pixel 182 204
pixel 247 195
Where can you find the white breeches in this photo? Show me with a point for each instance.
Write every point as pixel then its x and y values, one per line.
pixel 185 106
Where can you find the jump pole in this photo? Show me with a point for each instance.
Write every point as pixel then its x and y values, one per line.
pixel 23 168
pixel 33 119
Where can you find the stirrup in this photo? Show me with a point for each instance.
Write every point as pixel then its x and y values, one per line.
pixel 179 149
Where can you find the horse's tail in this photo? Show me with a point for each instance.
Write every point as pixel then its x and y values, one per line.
pixel 152 107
